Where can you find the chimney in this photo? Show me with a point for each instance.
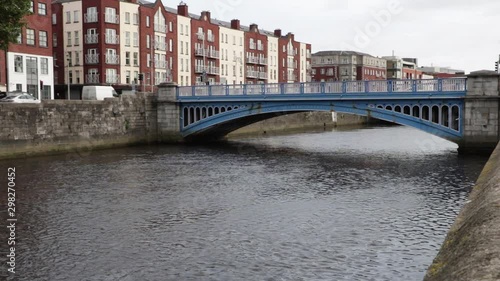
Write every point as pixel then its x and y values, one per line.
pixel 254 27
pixel 277 32
pixel 205 15
pixel 182 9
pixel 235 24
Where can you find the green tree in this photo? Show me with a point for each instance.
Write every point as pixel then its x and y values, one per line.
pixel 12 14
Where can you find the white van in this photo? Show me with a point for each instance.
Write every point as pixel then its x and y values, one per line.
pixel 98 92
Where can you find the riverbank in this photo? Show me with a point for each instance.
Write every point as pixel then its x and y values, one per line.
pixel 471 250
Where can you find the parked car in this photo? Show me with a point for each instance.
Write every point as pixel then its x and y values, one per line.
pixel 98 92
pixel 3 95
pixel 19 98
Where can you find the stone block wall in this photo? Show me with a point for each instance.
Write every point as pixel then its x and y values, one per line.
pixel 60 125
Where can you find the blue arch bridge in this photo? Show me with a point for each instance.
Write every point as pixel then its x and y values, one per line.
pixel 434 106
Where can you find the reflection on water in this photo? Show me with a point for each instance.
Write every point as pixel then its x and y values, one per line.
pixel 370 204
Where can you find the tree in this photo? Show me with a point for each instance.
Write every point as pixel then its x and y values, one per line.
pixel 12 13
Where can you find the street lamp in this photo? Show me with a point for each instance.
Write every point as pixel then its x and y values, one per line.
pixel 204 76
pixel 68 59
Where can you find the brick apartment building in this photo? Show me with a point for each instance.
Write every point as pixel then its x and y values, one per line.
pixel 347 66
pixel 111 42
pixel 27 65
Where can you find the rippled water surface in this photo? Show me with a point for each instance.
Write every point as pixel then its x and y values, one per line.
pixel 368 204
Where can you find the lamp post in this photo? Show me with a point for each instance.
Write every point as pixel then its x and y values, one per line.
pixel 68 59
pixel 204 75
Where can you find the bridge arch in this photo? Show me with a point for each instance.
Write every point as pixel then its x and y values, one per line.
pixel 440 118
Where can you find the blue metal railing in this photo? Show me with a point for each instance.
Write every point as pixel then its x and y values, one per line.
pixel 346 87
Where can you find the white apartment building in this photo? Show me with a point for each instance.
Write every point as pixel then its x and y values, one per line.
pixel 183 50
pixel 231 55
pixel 128 57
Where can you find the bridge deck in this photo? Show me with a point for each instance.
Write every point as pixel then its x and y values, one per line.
pixel 455 87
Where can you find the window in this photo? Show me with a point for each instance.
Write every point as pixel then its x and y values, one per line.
pixel 30 36
pixel 44 65
pixel 20 38
pixel 182 29
pixel 127 58
pixel 127 38
pixel 147 21
pixel 170 45
pixel 68 17
pixel 136 19
pixel 77 38
pixel 148 60
pixel 127 77
pixel 77 58
pixel 136 59
pixel 136 39
pixel 127 18
pixel 18 64
pixel 42 9
pixel 42 38
pixel 32 9
pixel 69 38
pixel 77 76
pixel 54 39
pixel 76 15
pixel 148 41
pixel 70 59
pixel 70 76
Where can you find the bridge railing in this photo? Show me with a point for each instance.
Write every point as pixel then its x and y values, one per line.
pixel 347 87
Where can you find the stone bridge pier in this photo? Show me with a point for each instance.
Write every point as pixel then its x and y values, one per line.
pixel 481 120
pixel 169 130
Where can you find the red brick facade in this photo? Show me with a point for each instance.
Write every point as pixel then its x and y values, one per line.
pixel 209 38
pixel 255 56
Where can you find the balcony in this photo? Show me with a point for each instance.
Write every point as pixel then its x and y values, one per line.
pixel 213 54
pixel 92 58
pixel 162 46
pixel 200 36
pixel 160 64
pixel 91 38
pixel 92 17
pixel 111 18
pixel 252 74
pixel 162 28
pixel 92 78
pixel 209 69
pixel 262 75
pixel 263 61
pixel 292 77
pixel 252 46
pixel 291 52
pixel 252 60
pixel 308 55
pixel 112 79
pixel 112 59
pixel 260 47
pixel 210 38
pixel 200 52
pixel 112 39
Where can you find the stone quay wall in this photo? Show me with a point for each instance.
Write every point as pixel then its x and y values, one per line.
pixel 59 126
pixel 471 251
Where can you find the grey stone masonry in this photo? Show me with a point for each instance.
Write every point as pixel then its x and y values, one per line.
pixel 168 114
pixel 481 122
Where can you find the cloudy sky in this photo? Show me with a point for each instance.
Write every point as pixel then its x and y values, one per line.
pixel 461 34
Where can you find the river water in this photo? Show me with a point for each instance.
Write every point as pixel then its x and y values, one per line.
pixel 365 204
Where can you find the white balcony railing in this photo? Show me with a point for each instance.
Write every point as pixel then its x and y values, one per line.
pixel 213 54
pixel 162 46
pixel 112 59
pixel 161 64
pixel 91 17
pixel 92 58
pixel 252 46
pixel 213 70
pixel 210 38
pixel 260 47
pixel 262 75
pixel 91 38
pixel 308 55
pixel 252 74
pixel 209 69
pixel 200 69
pixel 291 52
pixel 112 79
pixel 111 18
pixel 199 52
pixel 112 39
pixel 92 78
pixel 253 60
pixel 160 28
pixel 262 60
